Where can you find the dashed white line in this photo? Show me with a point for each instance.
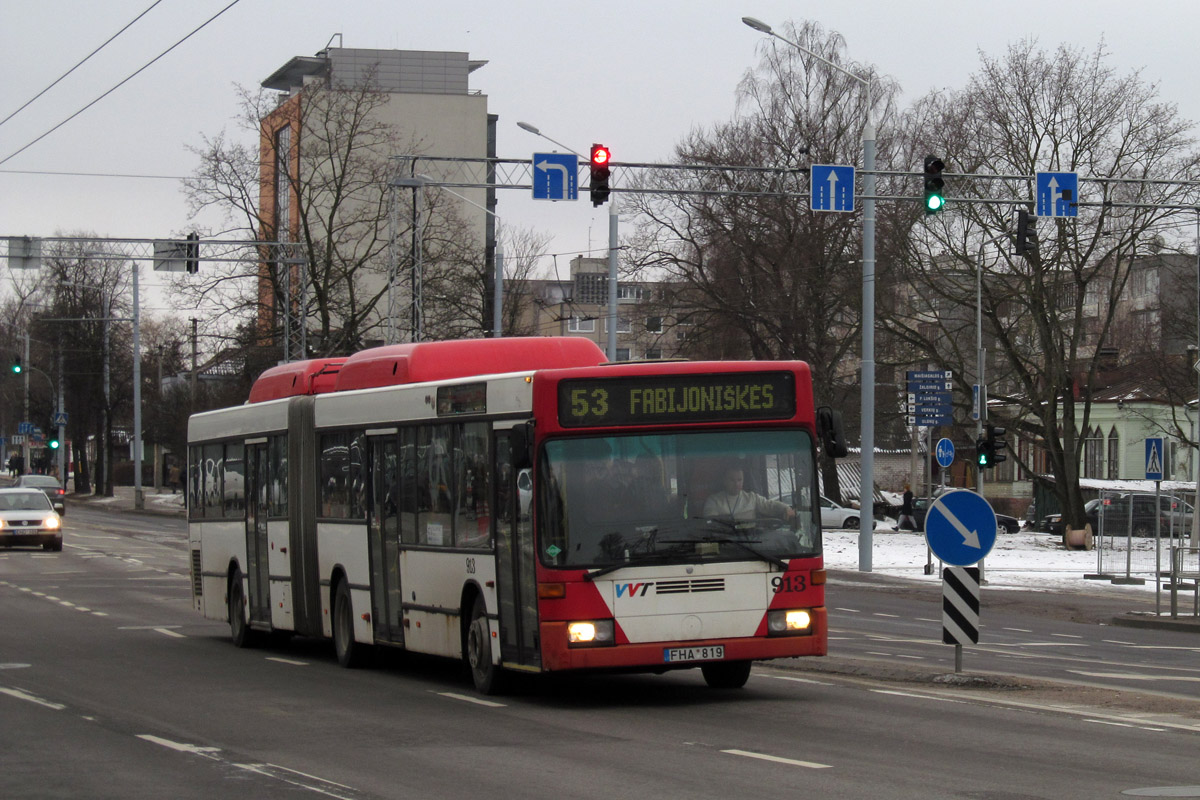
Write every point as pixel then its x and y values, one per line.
pixel 1124 725
pixel 778 759
pixel 17 693
pixel 169 632
pixel 1018 630
pixel 290 661
pixel 467 698
pixel 799 680
pixel 1066 635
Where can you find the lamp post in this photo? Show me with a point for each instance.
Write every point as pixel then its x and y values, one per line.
pixel 867 486
pixel 613 243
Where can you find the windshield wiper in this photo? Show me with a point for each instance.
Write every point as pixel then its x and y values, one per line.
pixel 630 561
pixel 734 527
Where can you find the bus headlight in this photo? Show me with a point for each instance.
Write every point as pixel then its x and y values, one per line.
pixel 591 633
pixel 789 621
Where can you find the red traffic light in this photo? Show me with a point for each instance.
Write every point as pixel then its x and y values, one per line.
pixel 600 155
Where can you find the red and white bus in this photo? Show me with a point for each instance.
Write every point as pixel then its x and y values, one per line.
pixel 519 504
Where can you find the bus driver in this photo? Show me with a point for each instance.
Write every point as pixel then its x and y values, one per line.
pixel 736 504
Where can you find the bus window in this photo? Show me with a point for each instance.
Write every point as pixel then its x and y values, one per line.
pixel 234 495
pixel 335 473
pixel 473 519
pixel 279 476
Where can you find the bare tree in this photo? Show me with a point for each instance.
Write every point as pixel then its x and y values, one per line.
pixel 1044 314
pixel 758 275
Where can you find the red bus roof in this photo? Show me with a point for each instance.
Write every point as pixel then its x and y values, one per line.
pixel 313 376
pixel 459 358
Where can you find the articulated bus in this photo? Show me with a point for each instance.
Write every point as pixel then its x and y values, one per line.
pixel 517 503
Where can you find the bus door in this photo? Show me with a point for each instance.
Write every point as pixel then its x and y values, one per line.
pixel 516 578
pixel 257 511
pixel 385 539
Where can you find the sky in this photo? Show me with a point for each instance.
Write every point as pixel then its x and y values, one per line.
pixel 636 76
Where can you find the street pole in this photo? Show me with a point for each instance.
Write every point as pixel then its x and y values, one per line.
pixel 498 295
pixel 612 280
pixel 25 465
pixel 866 494
pixel 139 500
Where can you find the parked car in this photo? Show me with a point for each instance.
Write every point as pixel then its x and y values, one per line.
pixel 1173 515
pixel 839 517
pixel 28 519
pixel 1004 523
pixel 49 486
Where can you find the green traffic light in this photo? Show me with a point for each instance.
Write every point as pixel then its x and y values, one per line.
pixel 934 202
pixel 54 444
pixel 16 368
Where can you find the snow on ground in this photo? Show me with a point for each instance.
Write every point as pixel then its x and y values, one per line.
pixel 1025 560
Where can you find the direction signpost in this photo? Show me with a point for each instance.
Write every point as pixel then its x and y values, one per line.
pixel 929 398
pixel 832 187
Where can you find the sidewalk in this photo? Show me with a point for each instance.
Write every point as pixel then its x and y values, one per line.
pixel 160 502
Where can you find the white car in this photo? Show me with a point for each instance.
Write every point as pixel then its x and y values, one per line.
pixel 839 517
pixel 28 519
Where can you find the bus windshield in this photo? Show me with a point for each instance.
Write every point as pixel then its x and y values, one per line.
pixel 609 501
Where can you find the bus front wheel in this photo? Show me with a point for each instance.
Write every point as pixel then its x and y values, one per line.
pixel 484 673
pixel 726 674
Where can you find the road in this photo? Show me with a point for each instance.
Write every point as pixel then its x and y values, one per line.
pixel 111 686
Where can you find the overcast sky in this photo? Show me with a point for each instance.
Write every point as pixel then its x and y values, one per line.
pixel 633 75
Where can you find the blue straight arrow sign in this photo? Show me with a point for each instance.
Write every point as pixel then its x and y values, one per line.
pixel 832 187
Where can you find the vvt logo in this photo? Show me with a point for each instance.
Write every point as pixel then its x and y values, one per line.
pixel 633 589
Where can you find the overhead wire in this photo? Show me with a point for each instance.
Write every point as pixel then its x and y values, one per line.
pixel 58 80
pixel 126 80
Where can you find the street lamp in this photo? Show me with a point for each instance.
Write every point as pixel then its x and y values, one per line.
pixel 867 486
pixel 613 221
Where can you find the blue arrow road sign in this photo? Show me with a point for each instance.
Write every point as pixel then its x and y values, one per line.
pixel 555 176
pixel 945 453
pixel 960 527
pixel 1058 194
pixel 832 188
pixel 1154 458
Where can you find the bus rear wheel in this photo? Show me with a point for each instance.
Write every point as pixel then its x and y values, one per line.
pixel 486 675
pixel 350 653
pixel 239 628
pixel 726 674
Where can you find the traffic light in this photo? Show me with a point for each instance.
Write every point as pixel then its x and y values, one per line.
pixel 983 456
pixel 17 366
pixel 191 257
pixel 989 449
pixel 934 198
pixel 53 443
pixel 600 173
pixel 996 444
pixel 1027 238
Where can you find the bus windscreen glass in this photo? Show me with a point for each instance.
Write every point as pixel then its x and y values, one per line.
pixel 677 497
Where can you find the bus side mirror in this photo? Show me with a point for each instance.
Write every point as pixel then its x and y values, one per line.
pixel 832 432
pixel 521 441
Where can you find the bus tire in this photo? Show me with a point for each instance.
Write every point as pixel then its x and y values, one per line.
pixel 726 674
pixel 239 628
pixel 350 654
pixel 486 675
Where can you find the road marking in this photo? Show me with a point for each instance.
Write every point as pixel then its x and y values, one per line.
pixel 799 680
pixel 778 759
pixel 66 603
pixel 1116 641
pixel 168 632
pixel 880 614
pixel 179 747
pixel 293 662
pixel 476 700
pixel 1018 630
pixel 17 693
pixel 1042 644
pixel 1134 676
pixel 848 610
pixel 1125 725
pixel 1066 635
pixel 918 696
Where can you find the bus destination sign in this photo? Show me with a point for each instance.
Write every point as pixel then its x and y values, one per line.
pixel 655 399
